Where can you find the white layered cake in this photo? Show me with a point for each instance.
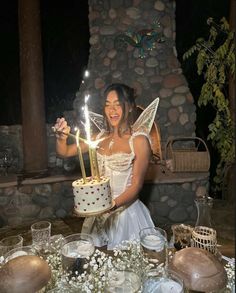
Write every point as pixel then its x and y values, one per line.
pixel 93 196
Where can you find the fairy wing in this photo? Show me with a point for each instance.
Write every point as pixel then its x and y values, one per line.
pixel 145 120
pixel 97 119
pixel 143 123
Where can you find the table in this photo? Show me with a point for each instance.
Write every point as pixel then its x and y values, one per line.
pixel 71 225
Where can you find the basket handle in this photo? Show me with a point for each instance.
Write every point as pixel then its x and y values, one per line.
pixel 171 141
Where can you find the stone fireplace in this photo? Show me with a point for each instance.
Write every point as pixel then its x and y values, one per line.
pixel 159 74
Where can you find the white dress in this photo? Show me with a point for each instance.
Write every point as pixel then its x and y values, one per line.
pixel 126 222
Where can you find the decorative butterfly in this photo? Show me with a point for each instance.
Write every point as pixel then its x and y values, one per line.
pixel 145 39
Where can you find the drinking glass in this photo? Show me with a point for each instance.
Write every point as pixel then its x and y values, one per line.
pixel 9 243
pixel 122 281
pixel 154 244
pixel 41 233
pixel 75 249
pixel 162 281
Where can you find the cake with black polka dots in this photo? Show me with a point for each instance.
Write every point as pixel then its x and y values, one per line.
pixel 93 196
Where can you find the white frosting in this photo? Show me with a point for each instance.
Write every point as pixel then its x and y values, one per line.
pixel 92 196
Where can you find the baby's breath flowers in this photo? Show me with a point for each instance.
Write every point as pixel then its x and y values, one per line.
pixel 230 270
pixel 93 278
pixel 129 255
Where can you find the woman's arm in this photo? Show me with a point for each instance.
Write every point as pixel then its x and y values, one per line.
pixel 62 148
pixel 142 152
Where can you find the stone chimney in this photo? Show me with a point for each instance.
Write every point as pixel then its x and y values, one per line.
pixel 158 74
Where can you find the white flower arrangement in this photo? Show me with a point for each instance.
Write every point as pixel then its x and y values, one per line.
pixel 127 256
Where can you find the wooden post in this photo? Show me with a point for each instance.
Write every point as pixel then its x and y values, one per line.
pixel 32 89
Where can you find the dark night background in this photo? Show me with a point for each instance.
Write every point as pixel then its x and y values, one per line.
pixel 65 35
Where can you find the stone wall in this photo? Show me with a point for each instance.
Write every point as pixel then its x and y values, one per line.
pixel 172 201
pixel 170 198
pixel 35 199
pixel 11 141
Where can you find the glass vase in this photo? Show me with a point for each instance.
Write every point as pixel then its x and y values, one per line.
pixel 204 206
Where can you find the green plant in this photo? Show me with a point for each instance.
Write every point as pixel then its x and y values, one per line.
pixel 216 63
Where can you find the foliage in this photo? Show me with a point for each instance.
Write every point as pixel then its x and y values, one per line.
pixel 216 62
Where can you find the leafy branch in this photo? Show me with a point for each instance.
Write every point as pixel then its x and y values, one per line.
pixel 215 60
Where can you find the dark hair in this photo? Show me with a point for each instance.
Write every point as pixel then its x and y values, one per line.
pixel 126 95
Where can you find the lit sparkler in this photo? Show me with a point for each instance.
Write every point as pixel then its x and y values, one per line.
pixel 92 145
pixel 92 149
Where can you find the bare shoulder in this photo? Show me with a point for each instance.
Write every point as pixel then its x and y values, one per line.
pixel 142 148
pixel 141 144
pixel 140 139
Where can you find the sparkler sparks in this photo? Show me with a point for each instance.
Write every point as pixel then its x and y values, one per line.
pixel 92 150
pixel 92 144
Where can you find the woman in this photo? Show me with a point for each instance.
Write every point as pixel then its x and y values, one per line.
pixel 123 156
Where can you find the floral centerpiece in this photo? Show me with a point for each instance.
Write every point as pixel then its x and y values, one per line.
pixel 127 256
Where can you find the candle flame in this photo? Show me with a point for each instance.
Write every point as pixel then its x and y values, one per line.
pixel 91 145
pixel 86 73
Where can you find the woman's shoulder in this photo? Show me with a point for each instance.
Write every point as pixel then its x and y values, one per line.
pixel 140 135
pixel 139 139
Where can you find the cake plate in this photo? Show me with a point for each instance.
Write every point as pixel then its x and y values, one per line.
pixel 91 214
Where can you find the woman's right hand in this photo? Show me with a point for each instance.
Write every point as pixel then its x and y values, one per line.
pixel 61 128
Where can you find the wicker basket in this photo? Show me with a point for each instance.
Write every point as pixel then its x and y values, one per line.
pixel 183 158
pixel 205 238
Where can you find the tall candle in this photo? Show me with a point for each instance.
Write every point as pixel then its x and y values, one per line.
pixel 91 162
pixel 95 163
pixel 88 134
pixel 80 157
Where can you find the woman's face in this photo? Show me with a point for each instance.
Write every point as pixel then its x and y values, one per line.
pixel 113 109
